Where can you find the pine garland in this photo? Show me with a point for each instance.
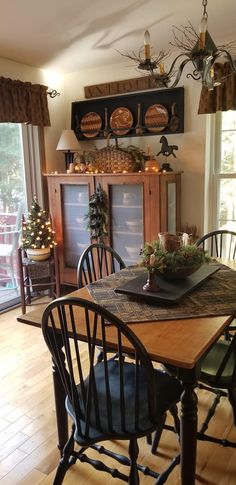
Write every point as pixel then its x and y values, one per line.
pixel 97 216
pixel 37 231
pixel 156 258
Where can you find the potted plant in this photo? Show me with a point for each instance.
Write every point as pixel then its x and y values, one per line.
pixel 37 234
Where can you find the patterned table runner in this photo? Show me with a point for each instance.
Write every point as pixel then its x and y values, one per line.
pixel 215 296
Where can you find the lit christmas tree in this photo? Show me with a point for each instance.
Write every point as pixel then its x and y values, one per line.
pixel 37 230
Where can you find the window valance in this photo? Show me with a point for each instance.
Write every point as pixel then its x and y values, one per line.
pixel 223 97
pixel 23 102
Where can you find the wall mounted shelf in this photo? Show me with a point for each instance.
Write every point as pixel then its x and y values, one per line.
pixel 146 113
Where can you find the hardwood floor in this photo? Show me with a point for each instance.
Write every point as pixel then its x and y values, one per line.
pixel 28 452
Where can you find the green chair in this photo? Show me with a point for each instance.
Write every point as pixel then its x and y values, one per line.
pixel 218 375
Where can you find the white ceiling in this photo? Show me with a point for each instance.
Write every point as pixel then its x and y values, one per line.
pixel 68 35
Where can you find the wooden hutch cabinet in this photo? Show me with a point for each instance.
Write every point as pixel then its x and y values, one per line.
pixel 140 206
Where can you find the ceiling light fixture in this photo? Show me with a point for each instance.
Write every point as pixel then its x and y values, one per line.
pixel 197 48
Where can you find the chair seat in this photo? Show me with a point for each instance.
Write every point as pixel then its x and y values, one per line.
pixel 167 391
pixel 6 250
pixel 212 362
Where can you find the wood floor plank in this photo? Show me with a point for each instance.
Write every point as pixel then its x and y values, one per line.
pixel 47 415
pixel 28 439
pixel 13 443
pixel 11 461
pixel 35 477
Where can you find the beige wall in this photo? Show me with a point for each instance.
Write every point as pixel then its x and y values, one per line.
pixel 191 152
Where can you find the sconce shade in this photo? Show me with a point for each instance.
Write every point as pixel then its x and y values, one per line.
pixel 69 144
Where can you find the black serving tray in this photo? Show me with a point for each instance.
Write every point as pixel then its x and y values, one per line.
pixel 170 291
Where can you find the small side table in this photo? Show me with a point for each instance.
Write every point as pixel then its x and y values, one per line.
pixel 37 276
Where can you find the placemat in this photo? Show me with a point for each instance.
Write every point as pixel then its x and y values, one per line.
pixel 216 296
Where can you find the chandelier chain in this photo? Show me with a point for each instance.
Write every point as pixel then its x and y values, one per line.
pixel 204 4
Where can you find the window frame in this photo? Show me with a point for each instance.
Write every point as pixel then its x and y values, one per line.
pixel 212 173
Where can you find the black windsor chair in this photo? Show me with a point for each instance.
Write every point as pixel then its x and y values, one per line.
pixel 218 370
pixel 96 262
pixel 220 244
pixel 218 375
pixel 109 400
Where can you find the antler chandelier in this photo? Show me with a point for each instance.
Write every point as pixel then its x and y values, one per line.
pixel 196 48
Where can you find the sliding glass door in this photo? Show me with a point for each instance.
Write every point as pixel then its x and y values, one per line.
pixel 12 207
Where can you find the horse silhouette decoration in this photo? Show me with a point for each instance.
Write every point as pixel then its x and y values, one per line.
pixel 166 149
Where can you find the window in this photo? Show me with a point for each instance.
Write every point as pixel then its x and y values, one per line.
pixel 226 173
pixel 220 184
pixel 12 184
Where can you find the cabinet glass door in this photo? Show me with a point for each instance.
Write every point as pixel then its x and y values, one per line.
pixel 126 210
pixel 76 236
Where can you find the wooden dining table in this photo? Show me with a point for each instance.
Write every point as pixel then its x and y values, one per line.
pixel 182 343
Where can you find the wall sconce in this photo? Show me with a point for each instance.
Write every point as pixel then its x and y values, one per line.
pixel 69 144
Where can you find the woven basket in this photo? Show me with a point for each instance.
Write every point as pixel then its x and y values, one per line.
pixel 113 159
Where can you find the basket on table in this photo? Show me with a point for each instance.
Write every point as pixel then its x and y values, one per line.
pixel 112 159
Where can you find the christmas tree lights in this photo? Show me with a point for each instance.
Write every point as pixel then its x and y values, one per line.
pixel 37 230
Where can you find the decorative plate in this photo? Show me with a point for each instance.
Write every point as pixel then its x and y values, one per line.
pixel 91 124
pixel 156 118
pixel 121 120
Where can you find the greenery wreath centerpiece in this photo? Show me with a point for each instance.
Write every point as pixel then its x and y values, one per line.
pixel 172 264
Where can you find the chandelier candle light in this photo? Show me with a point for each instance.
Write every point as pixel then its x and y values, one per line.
pixel 197 48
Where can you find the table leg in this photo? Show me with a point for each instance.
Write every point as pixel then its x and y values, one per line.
pixel 188 432
pixel 61 413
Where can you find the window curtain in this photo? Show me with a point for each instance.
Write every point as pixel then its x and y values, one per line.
pixel 223 97
pixel 23 102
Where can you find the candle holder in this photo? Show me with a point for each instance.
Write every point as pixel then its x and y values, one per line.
pixel 151 284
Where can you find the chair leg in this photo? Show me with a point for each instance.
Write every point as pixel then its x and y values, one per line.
pixel 133 454
pixel 211 412
pixel 174 412
pixel 100 356
pixel 157 435
pixel 232 400
pixel 149 439
pixel 66 461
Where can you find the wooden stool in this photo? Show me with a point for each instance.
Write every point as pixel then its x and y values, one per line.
pixel 37 276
